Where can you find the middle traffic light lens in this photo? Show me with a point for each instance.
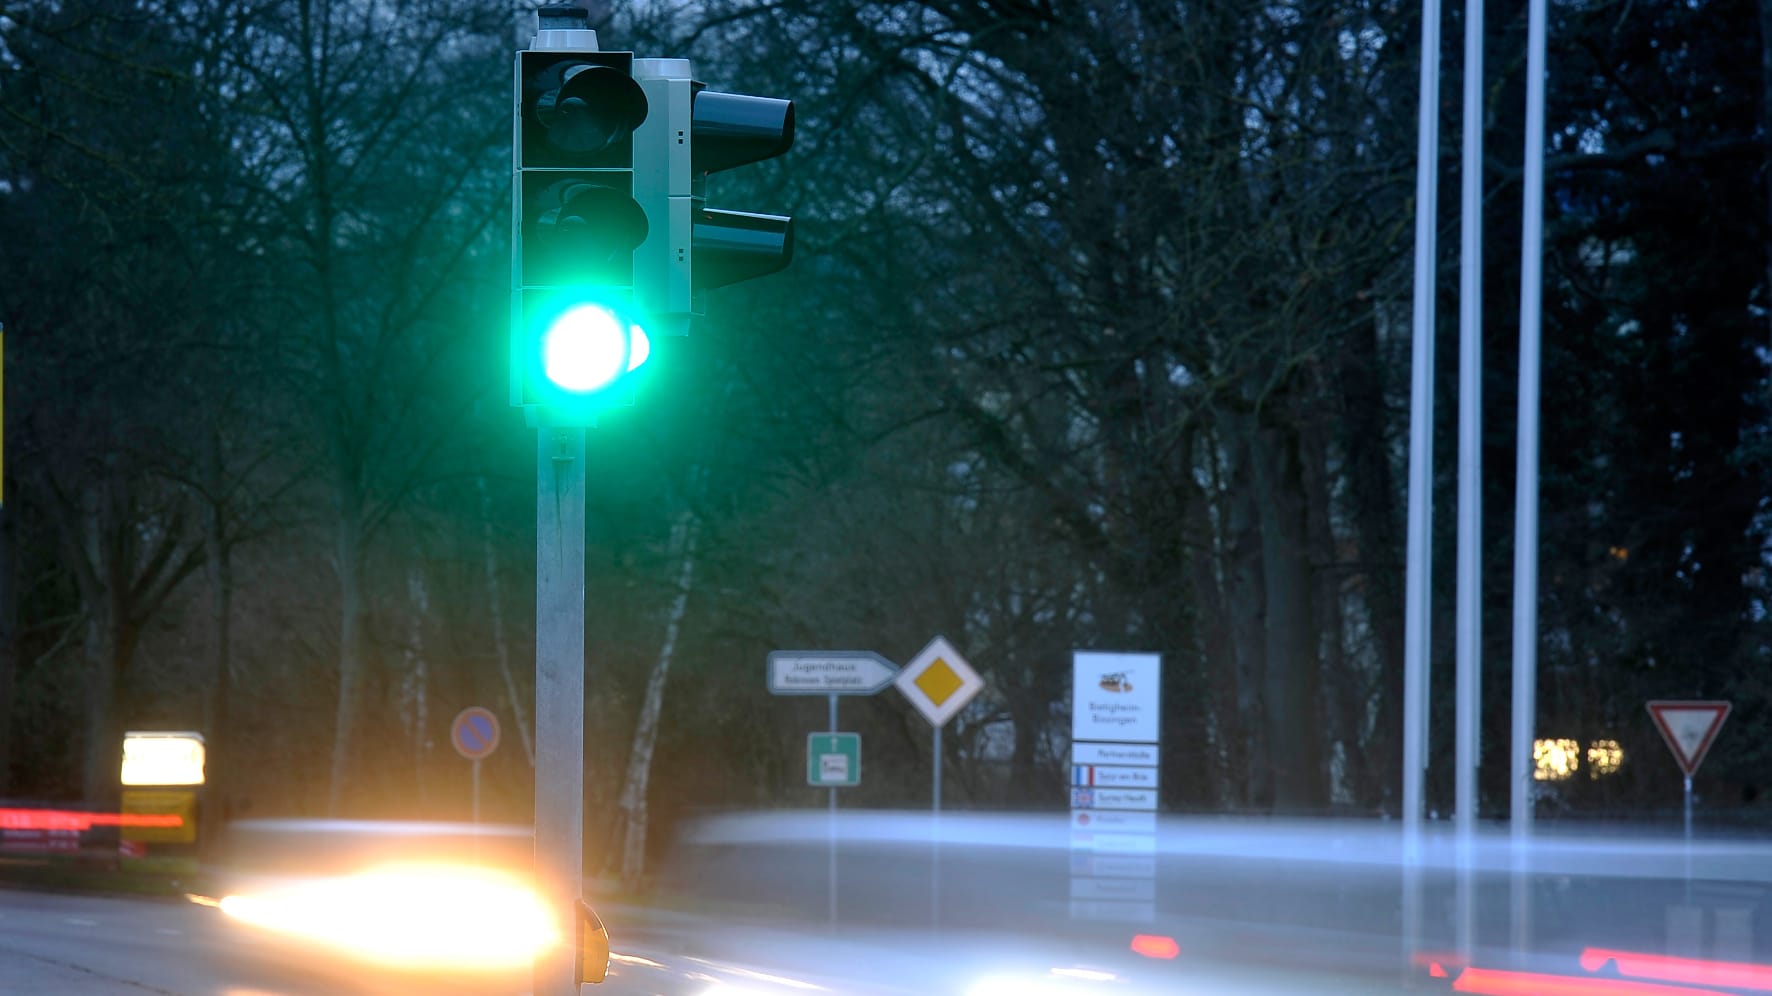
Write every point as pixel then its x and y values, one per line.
pixel 586 348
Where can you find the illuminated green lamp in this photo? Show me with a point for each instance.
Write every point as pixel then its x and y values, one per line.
pixel 588 347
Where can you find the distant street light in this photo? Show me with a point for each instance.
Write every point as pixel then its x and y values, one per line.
pixel 1604 757
pixel 1555 760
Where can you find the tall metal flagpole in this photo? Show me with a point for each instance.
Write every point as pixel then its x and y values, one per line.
pixel 1417 590
pixel 1525 645
pixel 1469 699
pixel 560 696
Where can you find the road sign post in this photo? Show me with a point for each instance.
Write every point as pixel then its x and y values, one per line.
pixel 1116 733
pixel 475 735
pixel 830 827
pixel 1689 728
pixel 939 683
pixel 830 673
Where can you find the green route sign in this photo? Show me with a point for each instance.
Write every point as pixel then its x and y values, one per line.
pixel 833 760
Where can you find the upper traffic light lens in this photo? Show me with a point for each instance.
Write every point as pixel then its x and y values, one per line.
pixel 586 107
pixel 589 346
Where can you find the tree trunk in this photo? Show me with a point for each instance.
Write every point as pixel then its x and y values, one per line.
pixel 1294 724
pixel 1205 552
pixel 1246 594
pixel 104 740
pixel 496 605
pixel 417 680
pixel 1348 695
pixel 8 644
pixel 221 753
pixel 1026 712
pixel 1376 525
pixel 103 590
pixel 98 532
pixel 350 638
pixel 633 794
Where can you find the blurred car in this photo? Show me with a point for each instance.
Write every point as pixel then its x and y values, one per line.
pixel 442 904
pixel 995 903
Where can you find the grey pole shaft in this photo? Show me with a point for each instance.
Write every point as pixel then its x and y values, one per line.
pixel 1470 426
pixel 1418 591
pixel 476 791
pixel 1525 637
pixel 935 840
pixel 935 792
pixel 831 834
pixel 1469 662
pixel 1686 851
pixel 560 696
pixel 1419 555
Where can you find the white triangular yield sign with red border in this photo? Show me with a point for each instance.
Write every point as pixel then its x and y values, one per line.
pixel 1689 727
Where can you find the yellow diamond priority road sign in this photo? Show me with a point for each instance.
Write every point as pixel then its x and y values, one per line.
pixel 939 682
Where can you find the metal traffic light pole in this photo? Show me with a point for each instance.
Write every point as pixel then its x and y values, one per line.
pixel 560 652
pixel 560 696
pixel 610 236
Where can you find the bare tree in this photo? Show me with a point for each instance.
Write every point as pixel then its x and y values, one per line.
pixel 373 191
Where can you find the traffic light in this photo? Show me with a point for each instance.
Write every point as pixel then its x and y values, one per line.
pixel 578 338
pixel 690 133
pixel 612 239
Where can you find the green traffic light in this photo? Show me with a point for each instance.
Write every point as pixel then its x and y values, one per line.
pixel 588 346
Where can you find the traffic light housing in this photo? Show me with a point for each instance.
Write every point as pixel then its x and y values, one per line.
pixel 578 337
pixel 612 239
pixel 691 132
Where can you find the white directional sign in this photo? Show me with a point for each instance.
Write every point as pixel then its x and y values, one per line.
pixel 939 682
pixel 1099 798
pixel 1143 755
pixel 1113 911
pixel 1112 865
pixel 1094 775
pixel 1117 821
pixel 1116 750
pixel 1117 697
pixel 1689 727
pixel 1084 839
pixel 1114 888
pixel 829 672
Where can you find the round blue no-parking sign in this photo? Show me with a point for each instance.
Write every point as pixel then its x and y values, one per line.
pixel 474 732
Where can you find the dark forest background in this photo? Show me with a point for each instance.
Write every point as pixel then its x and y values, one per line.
pixel 1097 336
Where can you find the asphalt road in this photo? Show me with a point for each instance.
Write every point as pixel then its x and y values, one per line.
pixel 76 944
pixel 83 945
pixel 1246 909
